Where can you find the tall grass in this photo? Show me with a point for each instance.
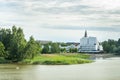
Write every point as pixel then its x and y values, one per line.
pixel 58 59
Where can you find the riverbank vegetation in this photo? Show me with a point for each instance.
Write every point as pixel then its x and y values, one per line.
pixel 14 48
pixel 111 46
pixel 58 59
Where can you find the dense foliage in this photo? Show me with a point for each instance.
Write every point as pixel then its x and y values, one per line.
pixel 32 48
pixel 2 49
pixel 45 48
pixel 111 46
pixel 51 48
pixel 56 47
pixel 14 47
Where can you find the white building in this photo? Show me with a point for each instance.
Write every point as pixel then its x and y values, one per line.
pixel 89 44
pixel 71 46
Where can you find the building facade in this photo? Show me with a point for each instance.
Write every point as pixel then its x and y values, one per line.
pixel 89 44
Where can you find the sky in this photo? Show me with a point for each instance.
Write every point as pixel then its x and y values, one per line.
pixel 63 20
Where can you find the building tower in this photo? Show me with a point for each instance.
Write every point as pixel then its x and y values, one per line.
pixel 85 33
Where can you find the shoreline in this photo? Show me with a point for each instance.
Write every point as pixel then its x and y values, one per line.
pixel 60 59
pixel 54 59
pixel 101 55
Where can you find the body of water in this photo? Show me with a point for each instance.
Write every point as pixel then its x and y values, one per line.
pixel 101 69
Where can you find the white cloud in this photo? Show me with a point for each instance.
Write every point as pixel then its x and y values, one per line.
pixel 103 4
pixel 37 17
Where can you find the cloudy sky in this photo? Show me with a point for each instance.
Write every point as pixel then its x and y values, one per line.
pixel 63 20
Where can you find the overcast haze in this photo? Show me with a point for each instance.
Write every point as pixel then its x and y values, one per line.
pixel 63 20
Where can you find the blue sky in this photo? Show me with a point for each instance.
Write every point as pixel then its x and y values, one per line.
pixel 63 20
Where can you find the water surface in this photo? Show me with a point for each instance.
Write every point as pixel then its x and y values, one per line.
pixel 101 69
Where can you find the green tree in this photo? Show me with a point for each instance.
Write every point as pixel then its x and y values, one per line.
pixel 32 48
pixel 17 44
pixel 118 43
pixel 45 48
pixel 5 36
pixel 2 48
pixel 106 46
pixel 55 48
pixel 110 46
pixel 73 50
pixel 118 51
pixel 63 50
pixel 63 44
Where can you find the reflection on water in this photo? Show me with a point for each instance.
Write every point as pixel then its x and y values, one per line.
pixel 99 58
pixel 101 69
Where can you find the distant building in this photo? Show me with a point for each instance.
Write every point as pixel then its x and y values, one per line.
pixel 89 44
pixel 70 45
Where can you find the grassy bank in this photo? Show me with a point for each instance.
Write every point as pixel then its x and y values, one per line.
pixel 58 59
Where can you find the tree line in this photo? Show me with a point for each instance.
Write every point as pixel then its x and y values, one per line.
pixel 111 46
pixel 14 47
pixel 51 48
pixel 55 48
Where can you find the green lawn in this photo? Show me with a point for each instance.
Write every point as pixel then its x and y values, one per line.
pixel 59 59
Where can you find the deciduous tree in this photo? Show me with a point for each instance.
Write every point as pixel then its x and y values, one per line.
pixel 32 48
